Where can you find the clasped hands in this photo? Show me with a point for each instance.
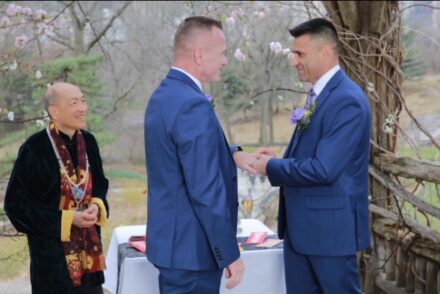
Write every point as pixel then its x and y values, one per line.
pixel 256 162
pixel 86 218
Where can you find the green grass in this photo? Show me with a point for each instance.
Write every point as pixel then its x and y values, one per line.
pixel 427 153
pixel 124 174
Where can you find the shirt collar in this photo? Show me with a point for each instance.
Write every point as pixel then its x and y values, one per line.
pixel 320 84
pixel 196 81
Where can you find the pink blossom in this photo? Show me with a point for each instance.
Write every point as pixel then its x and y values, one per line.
pixel 45 29
pixel 40 14
pixel 239 55
pixel 5 22
pixel 275 47
pixel 12 10
pixel 27 11
pixel 20 41
pixel 237 13
pixel 230 21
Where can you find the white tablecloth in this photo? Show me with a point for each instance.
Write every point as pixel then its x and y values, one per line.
pixel 264 269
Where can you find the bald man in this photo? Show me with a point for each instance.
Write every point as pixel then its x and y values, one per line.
pixel 57 196
pixel 192 172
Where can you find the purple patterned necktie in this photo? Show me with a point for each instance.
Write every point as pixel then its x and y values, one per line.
pixel 311 96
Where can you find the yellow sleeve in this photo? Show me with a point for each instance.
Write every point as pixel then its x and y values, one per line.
pixel 102 215
pixel 66 224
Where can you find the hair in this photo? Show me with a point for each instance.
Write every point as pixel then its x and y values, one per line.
pixel 49 97
pixel 190 24
pixel 318 27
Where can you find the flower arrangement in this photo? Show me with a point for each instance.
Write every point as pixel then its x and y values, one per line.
pixel 302 116
pixel 211 100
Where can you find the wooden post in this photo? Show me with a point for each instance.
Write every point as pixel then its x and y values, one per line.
pixel 409 285
pixel 432 270
pixel 420 275
pixel 401 260
pixel 390 266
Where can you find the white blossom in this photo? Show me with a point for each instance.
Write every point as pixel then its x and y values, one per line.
pixel 259 14
pixel 370 87
pixel 275 47
pixel 40 123
pixel 11 115
pixel 286 51
pixel 38 74
pixel 239 55
pixel 13 65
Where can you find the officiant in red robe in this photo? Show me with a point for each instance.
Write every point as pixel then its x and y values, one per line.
pixel 57 196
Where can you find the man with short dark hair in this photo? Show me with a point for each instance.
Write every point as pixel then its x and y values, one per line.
pixel 57 196
pixel 323 175
pixel 192 177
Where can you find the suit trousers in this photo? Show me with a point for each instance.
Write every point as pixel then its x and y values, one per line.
pixel 175 281
pixel 309 274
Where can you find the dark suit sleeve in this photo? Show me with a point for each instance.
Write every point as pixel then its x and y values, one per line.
pixel 26 215
pixel 333 152
pixel 196 132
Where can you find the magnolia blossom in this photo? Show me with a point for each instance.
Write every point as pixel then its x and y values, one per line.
pixel 38 75
pixel 259 14
pixel 20 41
pixel 11 115
pixel 239 55
pixel 237 13
pixel 45 29
pixel 275 47
pixel 13 10
pixel 286 51
pixel 26 11
pixel 40 123
pixel 230 21
pixel 40 14
pixel 13 65
pixel 5 22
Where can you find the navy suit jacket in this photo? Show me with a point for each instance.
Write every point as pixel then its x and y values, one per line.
pixel 323 176
pixel 192 180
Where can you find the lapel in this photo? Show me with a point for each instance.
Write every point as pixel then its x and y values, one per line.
pixel 323 97
pixel 178 75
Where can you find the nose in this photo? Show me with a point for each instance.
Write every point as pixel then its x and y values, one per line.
pixel 83 107
pixel 294 60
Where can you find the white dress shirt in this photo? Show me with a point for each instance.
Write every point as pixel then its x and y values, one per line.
pixel 190 76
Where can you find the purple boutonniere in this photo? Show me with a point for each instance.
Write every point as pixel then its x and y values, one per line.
pixel 211 100
pixel 302 116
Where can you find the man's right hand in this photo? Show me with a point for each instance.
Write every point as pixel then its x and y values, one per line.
pixel 84 219
pixel 234 273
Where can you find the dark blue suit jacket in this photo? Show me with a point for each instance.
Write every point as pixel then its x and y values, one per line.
pixel 323 176
pixel 192 180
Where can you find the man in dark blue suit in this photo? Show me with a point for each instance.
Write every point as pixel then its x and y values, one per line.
pixel 192 176
pixel 323 175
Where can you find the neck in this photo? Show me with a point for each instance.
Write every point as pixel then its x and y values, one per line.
pixel 68 131
pixel 189 69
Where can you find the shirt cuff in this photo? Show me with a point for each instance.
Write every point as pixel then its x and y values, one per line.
pixel 102 215
pixel 66 224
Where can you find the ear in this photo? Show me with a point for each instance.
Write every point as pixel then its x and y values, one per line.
pixel 198 56
pixel 53 112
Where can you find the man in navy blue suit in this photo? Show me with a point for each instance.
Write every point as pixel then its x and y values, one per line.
pixel 192 173
pixel 323 175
